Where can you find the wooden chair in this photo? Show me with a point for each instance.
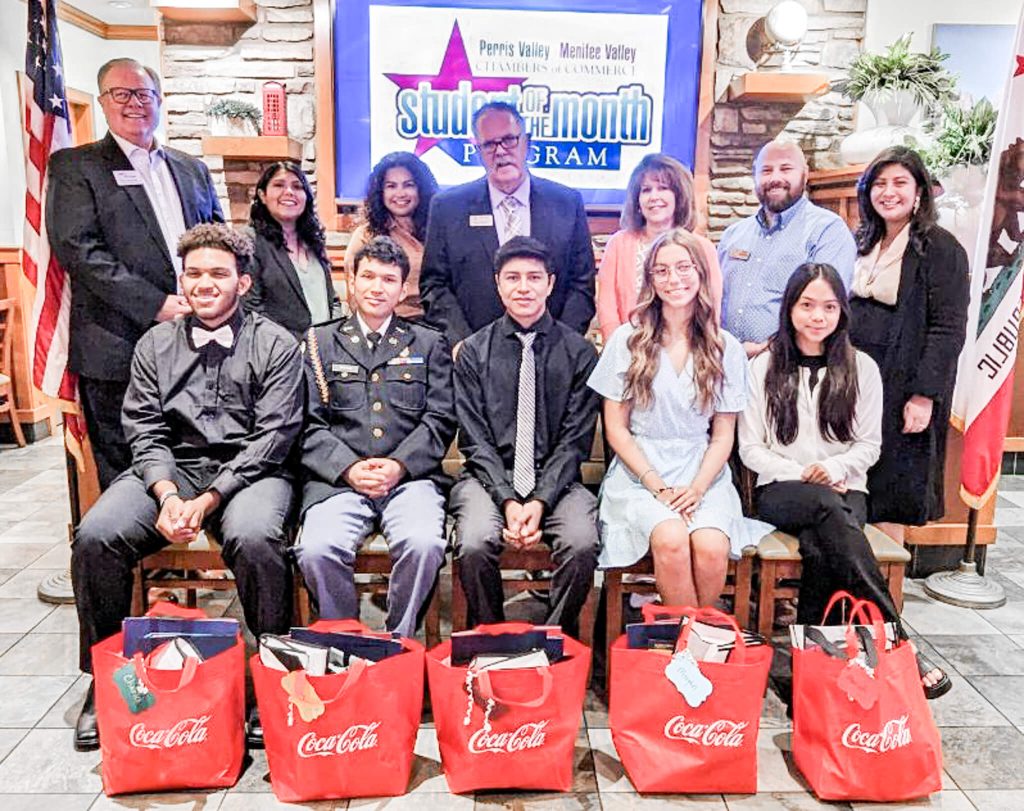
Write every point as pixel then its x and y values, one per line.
pixel 779 570
pixel 6 371
pixel 737 585
pixel 204 554
pixel 512 560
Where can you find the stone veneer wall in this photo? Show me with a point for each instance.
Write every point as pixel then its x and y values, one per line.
pixel 202 63
pixel 835 32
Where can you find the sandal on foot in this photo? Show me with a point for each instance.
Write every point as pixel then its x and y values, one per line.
pixel 941 687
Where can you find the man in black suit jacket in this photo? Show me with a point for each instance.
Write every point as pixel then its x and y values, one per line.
pixel 468 222
pixel 115 209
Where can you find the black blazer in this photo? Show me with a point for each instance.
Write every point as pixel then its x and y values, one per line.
pixel 276 291
pixel 109 241
pixel 457 280
pixel 396 403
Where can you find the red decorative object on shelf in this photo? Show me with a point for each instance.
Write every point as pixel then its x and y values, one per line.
pixel 275 109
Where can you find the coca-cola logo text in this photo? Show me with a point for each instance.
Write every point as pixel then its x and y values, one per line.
pixel 186 732
pixel 356 738
pixel 528 736
pixel 717 733
pixel 894 735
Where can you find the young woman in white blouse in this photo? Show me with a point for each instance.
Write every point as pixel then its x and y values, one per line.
pixel 811 429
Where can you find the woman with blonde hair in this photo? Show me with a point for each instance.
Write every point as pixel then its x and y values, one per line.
pixel 673 384
pixel 659 197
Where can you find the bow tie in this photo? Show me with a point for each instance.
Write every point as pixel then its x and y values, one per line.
pixel 222 335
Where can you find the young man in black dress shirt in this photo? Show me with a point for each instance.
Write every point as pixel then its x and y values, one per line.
pixel 526 423
pixel 213 408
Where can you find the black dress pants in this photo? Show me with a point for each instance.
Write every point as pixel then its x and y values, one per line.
pixel 570 529
pixel 836 555
pixel 120 530
pixel 102 401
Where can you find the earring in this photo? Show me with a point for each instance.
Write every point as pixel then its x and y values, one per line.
pixel 917 204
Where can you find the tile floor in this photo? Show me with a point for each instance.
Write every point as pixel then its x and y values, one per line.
pixel 981 719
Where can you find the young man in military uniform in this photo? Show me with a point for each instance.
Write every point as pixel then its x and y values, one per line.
pixel 380 419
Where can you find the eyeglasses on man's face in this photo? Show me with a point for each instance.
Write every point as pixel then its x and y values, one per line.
pixel 506 142
pixel 122 95
pixel 683 270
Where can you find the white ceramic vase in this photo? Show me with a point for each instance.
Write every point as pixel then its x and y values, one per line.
pixel 894 114
pixel 232 127
pixel 959 207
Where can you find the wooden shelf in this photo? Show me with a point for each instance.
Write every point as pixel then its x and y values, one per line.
pixel 777 86
pixel 208 11
pixel 254 147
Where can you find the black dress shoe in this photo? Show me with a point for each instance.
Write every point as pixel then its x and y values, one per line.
pixel 254 730
pixel 87 734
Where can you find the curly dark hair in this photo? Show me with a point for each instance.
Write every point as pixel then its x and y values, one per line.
pixel 872 226
pixel 308 226
pixel 378 218
pixel 220 236
pixel 386 251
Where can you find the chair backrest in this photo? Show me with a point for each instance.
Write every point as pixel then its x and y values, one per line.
pixel 6 334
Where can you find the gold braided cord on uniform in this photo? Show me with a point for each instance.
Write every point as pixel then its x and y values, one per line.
pixel 318 366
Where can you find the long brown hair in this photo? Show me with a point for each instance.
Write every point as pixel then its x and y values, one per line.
pixel 703 334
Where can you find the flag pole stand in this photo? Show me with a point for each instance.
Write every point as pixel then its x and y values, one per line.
pixel 56 588
pixel 963 586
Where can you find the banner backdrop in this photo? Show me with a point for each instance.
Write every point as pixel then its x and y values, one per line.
pixel 590 84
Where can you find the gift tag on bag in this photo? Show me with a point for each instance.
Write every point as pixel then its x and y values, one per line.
pixel 858 682
pixel 135 694
pixel 685 675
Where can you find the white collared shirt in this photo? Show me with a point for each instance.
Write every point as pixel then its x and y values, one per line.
pixel 522 194
pixel 162 193
pixel 365 328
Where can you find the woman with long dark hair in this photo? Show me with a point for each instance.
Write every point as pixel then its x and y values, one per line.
pixel 909 313
pixel 291 275
pixel 659 197
pixel 670 378
pixel 811 430
pixel 398 195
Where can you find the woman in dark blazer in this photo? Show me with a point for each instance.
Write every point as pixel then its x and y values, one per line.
pixel 909 313
pixel 291 274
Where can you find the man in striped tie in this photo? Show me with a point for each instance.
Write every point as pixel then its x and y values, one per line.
pixel 468 223
pixel 526 423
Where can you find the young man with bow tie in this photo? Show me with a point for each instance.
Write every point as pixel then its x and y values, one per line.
pixel 380 420
pixel 212 412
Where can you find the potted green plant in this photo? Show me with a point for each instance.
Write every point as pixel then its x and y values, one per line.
pixel 234 117
pixel 963 138
pixel 898 76
pixel 959 158
pixel 895 85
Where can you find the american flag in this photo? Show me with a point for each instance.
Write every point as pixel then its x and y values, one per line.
pixel 47 129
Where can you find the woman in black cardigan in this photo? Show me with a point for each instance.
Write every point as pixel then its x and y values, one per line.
pixel 290 272
pixel 909 313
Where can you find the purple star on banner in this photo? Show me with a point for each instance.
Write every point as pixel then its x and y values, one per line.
pixel 454 68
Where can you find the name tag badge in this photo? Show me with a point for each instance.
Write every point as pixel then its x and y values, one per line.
pixel 413 360
pixel 345 368
pixel 481 221
pixel 127 177
pixel 740 254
